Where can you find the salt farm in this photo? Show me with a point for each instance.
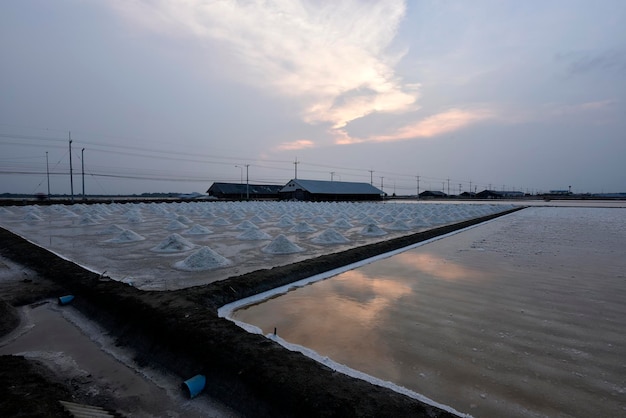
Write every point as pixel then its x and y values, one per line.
pixel 165 246
pixel 519 316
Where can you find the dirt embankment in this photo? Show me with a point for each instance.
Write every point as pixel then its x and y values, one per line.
pixel 180 331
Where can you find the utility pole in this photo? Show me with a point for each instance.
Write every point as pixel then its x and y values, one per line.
pixel 459 189
pixel 82 161
pixel 240 179
pixel 470 188
pixel 332 173
pixel 295 164
pixel 247 183
pixel 418 187
pixel 48 174
pixel 71 173
pixel 382 186
pixel 371 177
pixel 448 187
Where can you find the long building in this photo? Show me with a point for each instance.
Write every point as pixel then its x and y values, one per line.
pixel 243 191
pixel 320 190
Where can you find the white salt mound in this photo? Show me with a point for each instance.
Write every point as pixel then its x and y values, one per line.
pixel 257 219
pixel 112 229
pixel 173 244
pixel 319 220
pixel 303 227
pixel 342 223
pixel 330 236
pixel 285 221
pixel 220 222
pixel 203 259
pixel 246 225
pixel 398 225
pixel 126 236
pixel 87 219
pixel 254 234
pixel 372 230
pixel 282 245
pixel 175 224
pixel 198 230
pixel 32 217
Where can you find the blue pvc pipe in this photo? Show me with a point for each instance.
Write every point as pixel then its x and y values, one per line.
pixel 64 300
pixel 195 385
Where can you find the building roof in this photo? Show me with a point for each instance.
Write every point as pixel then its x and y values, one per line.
pixel 331 187
pixel 238 188
pixel 430 193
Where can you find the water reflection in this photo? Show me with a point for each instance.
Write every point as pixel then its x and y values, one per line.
pixel 487 334
pixel 331 315
pixel 439 267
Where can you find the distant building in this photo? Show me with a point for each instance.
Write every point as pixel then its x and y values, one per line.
pixel 319 190
pixel 432 194
pixel 494 194
pixel 559 192
pixel 241 191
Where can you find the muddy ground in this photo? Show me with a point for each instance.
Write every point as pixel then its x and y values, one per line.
pixel 180 331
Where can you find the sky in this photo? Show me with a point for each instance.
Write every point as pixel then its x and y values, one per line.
pixel 449 95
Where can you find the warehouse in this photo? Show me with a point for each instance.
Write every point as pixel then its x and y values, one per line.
pixel 319 190
pixel 244 191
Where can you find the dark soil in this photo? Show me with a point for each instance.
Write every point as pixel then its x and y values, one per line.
pixel 181 332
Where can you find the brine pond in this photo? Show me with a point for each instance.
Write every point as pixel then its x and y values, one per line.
pixel 522 316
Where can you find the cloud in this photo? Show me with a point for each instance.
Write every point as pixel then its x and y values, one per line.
pixel 441 123
pixel 440 267
pixel 587 62
pixel 295 145
pixel 330 55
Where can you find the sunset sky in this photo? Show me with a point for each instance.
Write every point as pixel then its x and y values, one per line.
pixel 174 95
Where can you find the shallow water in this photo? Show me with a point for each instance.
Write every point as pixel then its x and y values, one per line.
pixel 523 316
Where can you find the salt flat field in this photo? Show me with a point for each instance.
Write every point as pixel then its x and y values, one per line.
pixel 166 246
pixel 522 316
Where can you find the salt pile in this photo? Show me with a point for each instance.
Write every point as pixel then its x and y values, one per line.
pixel 220 222
pixel 175 224
pixel 303 227
pixel 198 230
pixel 398 225
pixel 330 236
pixel 319 220
pixel 419 223
pixel 282 245
pixel 87 219
pixel 173 244
pixel 247 225
pixel 285 221
pixel 32 217
pixel 342 223
pixel 368 221
pixel 257 219
pixel 254 234
pixel 126 236
pixel 66 213
pixel 183 219
pixel 112 229
pixel 372 230
pixel 203 259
